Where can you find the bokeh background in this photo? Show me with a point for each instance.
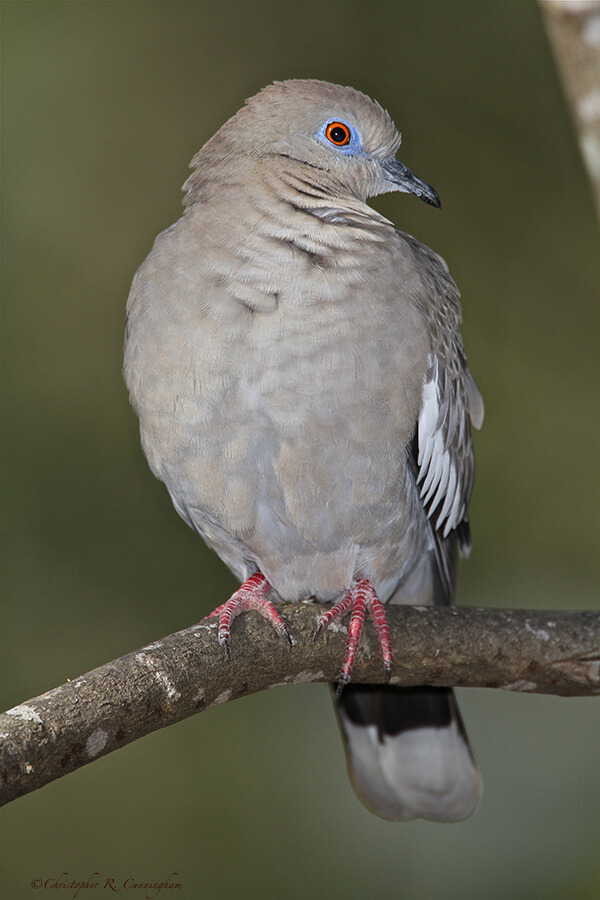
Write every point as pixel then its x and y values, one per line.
pixel 103 106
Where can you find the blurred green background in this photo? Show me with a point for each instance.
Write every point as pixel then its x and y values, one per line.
pixel 103 106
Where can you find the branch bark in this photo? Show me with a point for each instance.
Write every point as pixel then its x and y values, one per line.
pixel 185 673
pixel 573 28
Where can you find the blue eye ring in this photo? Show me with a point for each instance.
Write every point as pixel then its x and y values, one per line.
pixel 340 135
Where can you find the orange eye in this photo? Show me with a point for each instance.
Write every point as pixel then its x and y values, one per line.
pixel 338 134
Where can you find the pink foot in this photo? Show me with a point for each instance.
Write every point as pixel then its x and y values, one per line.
pixel 359 598
pixel 251 595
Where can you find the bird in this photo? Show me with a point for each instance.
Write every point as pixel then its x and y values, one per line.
pixel 297 368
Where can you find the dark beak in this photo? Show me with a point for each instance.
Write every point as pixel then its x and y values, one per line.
pixel 405 180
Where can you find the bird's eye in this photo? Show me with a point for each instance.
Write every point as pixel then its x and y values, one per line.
pixel 338 133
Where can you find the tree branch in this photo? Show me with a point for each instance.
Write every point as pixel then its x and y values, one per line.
pixel 185 673
pixel 573 28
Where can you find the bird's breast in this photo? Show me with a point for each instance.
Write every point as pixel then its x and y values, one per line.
pixel 283 420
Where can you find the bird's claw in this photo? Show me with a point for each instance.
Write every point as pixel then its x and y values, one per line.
pixel 359 599
pixel 252 595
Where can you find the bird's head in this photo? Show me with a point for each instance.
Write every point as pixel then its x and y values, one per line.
pixel 347 138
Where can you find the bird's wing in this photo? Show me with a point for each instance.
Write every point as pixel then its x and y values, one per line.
pixel 441 453
pixel 444 452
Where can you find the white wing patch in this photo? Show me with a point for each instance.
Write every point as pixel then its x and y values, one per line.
pixel 439 474
pixel 476 409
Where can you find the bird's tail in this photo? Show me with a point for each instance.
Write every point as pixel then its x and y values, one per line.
pixel 407 752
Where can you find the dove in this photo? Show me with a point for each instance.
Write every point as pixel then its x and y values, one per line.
pixel 298 372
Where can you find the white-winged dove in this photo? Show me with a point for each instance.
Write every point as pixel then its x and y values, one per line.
pixel 298 372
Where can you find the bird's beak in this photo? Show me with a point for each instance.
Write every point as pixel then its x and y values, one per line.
pixel 405 180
